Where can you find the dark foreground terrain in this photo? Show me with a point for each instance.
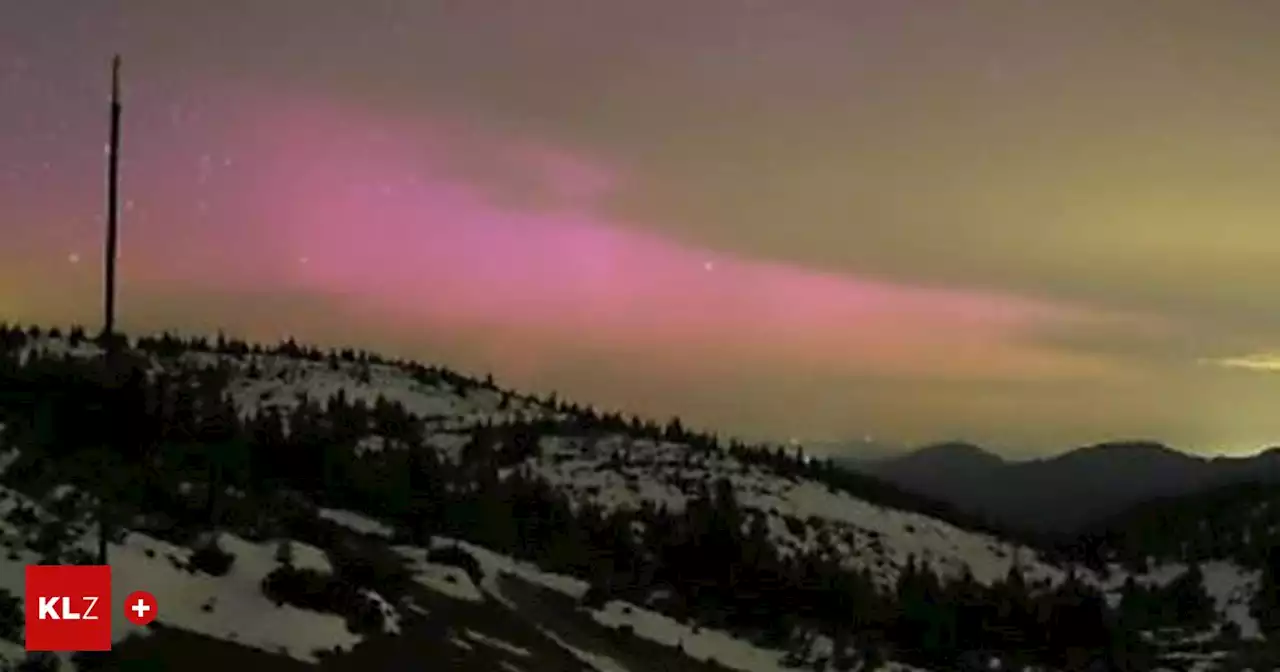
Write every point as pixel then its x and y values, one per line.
pixel 292 508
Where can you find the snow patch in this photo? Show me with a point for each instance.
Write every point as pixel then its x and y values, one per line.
pixel 495 643
pixel 595 661
pixel 356 522
pixel 230 607
pixel 445 579
pixel 494 565
pixel 704 645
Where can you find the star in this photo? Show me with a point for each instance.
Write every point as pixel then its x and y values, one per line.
pixel 73 258
pixel 709 266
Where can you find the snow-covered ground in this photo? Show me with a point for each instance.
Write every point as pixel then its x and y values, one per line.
pixel 620 472
pixel 230 607
pixel 233 608
pixel 495 565
pixel 356 522
pixel 612 472
pixel 699 643
pixel 445 579
pixel 595 661
pixel 1232 589
pixel 1230 586
pixel 705 644
pixel 493 642
pixel 278 381
pixel 282 380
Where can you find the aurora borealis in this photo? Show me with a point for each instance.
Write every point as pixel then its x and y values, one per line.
pixel 1023 223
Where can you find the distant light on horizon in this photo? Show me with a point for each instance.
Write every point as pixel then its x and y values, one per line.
pixel 1263 362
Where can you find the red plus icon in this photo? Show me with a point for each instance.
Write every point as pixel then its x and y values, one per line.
pixel 140 607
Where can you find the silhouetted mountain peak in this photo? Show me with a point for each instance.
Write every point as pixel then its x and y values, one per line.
pixel 933 466
pixel 1132 447
pixel 953 451
pixel 1125 453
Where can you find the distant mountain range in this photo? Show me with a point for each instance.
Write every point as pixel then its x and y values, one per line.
pixel 1065 493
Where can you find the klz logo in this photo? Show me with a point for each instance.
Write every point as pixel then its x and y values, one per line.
pixel 48 609
pixel 68 608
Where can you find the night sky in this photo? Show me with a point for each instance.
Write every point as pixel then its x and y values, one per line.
pixel 1028 224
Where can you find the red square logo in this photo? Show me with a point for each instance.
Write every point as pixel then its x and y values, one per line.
pixel 68 608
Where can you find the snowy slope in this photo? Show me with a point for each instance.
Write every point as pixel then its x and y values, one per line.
pixel 621 471
pixel 233 607
pixel 230 607
pixel 614 472
pixel 273 381
pixel 1230 586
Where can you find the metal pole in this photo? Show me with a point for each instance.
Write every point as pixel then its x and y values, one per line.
pixel 113 208
pixel 109 307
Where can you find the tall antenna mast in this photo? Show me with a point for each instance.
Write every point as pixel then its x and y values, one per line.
pixel 113 207
pixel 108 477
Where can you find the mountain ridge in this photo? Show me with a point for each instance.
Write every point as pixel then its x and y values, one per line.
pixel 1063 493
pixel 849 451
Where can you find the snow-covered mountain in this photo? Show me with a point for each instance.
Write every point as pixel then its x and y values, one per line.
pixel 436 595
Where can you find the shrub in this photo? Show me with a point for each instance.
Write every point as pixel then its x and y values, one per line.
pixel 50 541
pixel 212 560
pixel 455 556
pixel 595 597
pixel 311 590
pixel 40 661
pixel 12 618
